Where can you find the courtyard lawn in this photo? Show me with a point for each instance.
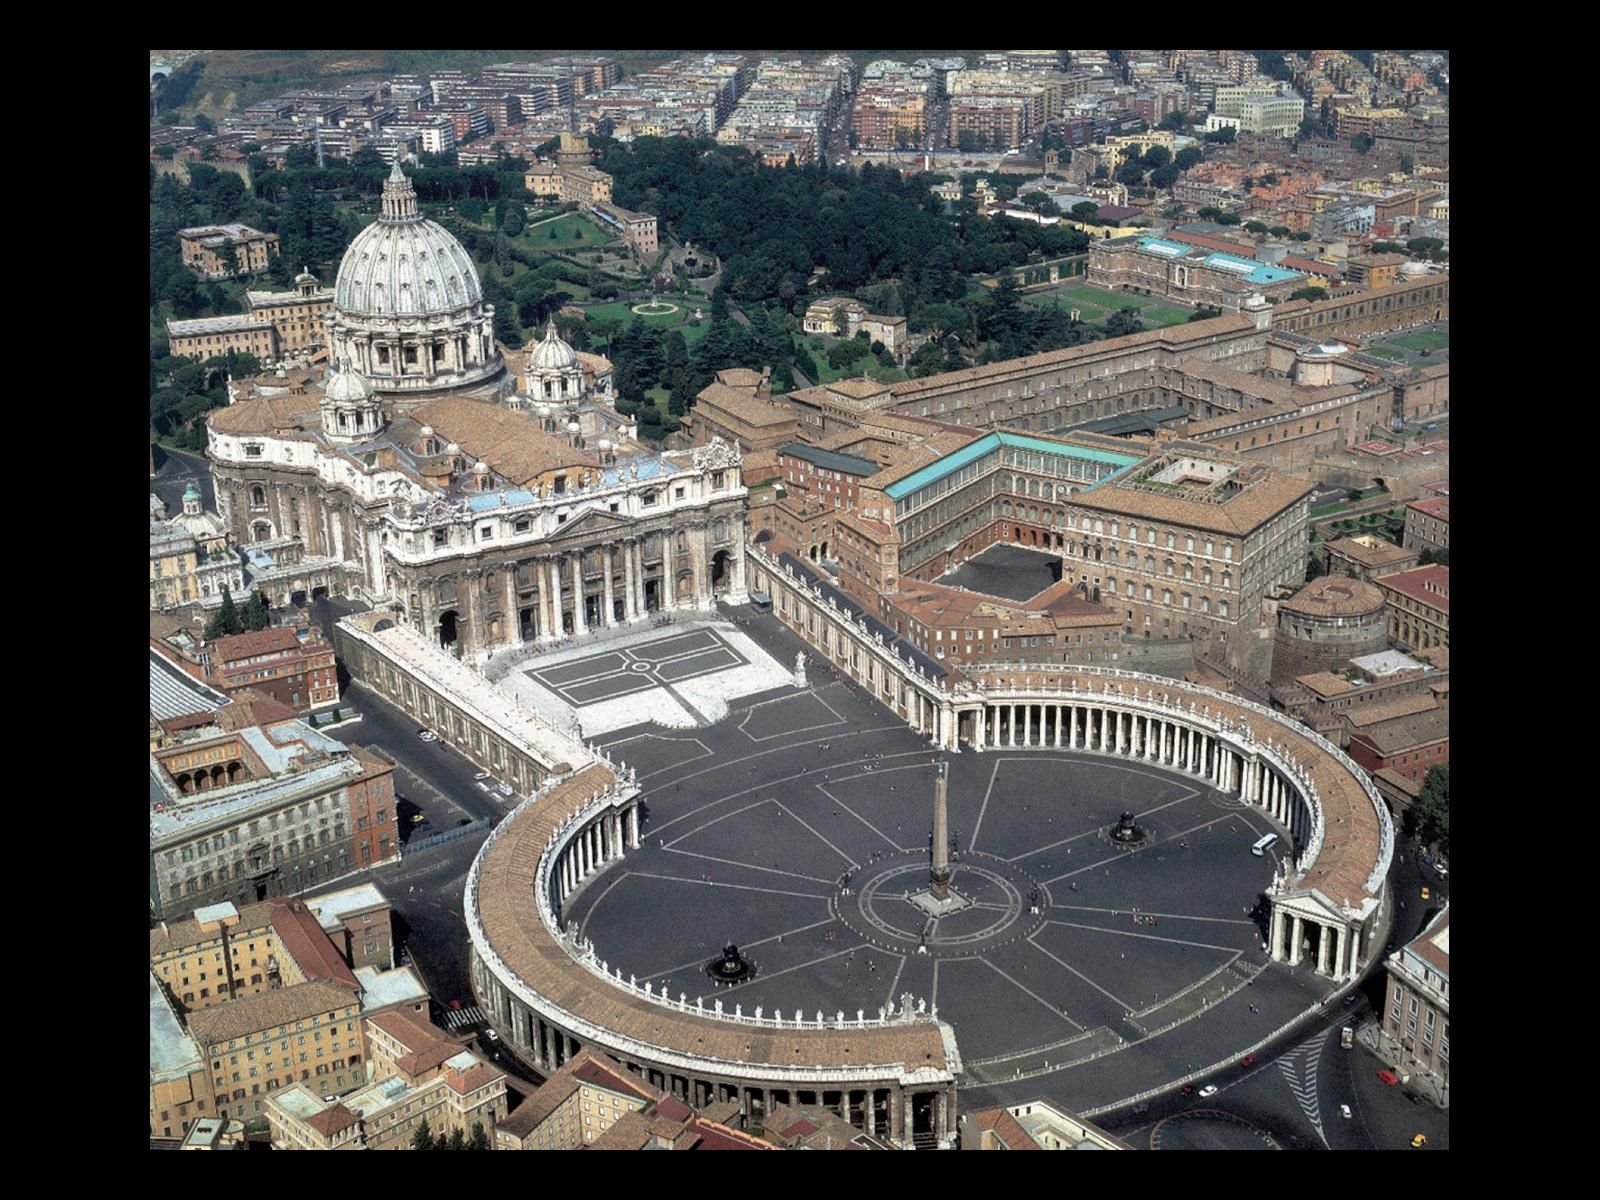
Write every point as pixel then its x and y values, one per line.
pixel 1156 317
pixel 572 231
pixel 1428 339
pixel 624 313
pixel 1110 301
pixel 1385 352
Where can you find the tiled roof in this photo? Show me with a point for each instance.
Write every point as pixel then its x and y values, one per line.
pixel 719 399
pixel 1335 596
pixel 1365 715
pixel 1369 551
pixel 301 936
pixel 1429 585
pixel 1006 1127
pixel 1326 684
pixel 332 1120
pixel 1240 515
pixel 465 1082
pixel 177 935
pixel 247 645
pixel 407 1028
pixel 1437 507
pixel 288 413
pixel 1399 734
pixel 511 443
pixel 269 1010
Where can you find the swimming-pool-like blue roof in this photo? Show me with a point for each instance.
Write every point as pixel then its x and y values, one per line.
pixel 976 450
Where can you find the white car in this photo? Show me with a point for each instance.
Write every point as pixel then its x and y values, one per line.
pixel 481 775
pixel 1210 1089
pixel 1344 1111
pixel 504 789
pixel 428 735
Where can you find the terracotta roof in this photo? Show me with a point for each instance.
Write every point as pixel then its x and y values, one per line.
pixel 744 406
pixel 247 645
pixel 1428 585
pixel 407 1028
pixel 1006 1127
pixel 1437 507
pixel 1269 390
pixel 252 708
pixel 1433 944
pixel 1365 715
pixel 333 1120
pixel 1335 596
pixel 268 1010
pixel 594 1072
pixel 511 443
pixel 470 1080
pixel 911 459
pixel 1326 684
pixel 528 948
pixel 857 388
pixel 1400 734
pixel 302 937
pixel 630 1131
pixel 739 377
pixel 1240 515
pixel 1411 788
pixel 1369 551
pixel 288 413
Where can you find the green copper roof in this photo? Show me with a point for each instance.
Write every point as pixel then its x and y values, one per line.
pixel 976 450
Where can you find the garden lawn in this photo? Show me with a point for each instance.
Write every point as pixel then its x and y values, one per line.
pixel 587 234
pixel 1428 339
pixel 1110 301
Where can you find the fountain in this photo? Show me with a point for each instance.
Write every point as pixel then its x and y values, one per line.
pixel 1126 833
pixel 730 967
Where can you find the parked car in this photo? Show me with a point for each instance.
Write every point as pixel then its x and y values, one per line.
pixel 481 775
pixel 1344 1111
pixel 504 789
pixel 427 735
pixel 1210 1089
pixel 1249 1060
pixel 1427 893
pixel 1388 1077
pixel 1419 1141
pixel 417 818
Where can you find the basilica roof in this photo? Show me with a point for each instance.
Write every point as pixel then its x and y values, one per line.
pixel 404 264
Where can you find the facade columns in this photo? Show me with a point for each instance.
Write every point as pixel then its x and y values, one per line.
pixel 1277 933
pixel 630 601
pixel 1354 961
pixel 1324 950
pixel 980 729
pixel 552 591
pixel 1061 716
pixel 1296 936
pixel 1341 967
pixel 508 604
pixel 669 563
pixel 579 626
pixel 1116 718
pixel 638 577
pixel 607 617
pixel 633 826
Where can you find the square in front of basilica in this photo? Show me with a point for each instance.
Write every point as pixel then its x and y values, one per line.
pixel 681 677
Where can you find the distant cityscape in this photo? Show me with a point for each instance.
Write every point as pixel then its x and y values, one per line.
pixel 578 489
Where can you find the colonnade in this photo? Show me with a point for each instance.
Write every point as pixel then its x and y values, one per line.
pixel 602 841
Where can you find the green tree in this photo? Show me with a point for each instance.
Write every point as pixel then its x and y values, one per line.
pixel 1174 121
pixel 1187 158
pixel 457 1141
pixel 422 1139
pixel 1165 177
pixel 225 622
pixel 1122 322
pixel 479 1139
pixel 1431 556
pixel 1387 248
pixel 1361 142
pixel 1312 292
pixel 1427 247
pixel 1314 567
pixel 1429 817
pixel 1157 156
pixel 1228 218
pixel 1279 231
pixel 256 614
pixel 514 221
pixel 1255 227
pixel 1222 136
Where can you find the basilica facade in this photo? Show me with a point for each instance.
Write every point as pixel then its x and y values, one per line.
pixel 484 517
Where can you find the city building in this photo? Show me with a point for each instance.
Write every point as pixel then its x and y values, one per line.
pixel 258 1044
pixel 1365 556
pixel 572 178
pixel 1415 1032
pixel 810 1127
pixel 180 1084
pixel 1419 607
pixel 1407 743
pixel 1427 525
pixel 837 315
pixel 636 228
pixel 357 921
pixel 739 407
pixel 249 805
pixel 294 666
pixel 417 1074
pixel 202 338
pixel 1327 623
pixel 298 317
pixel 192 559
pixel 223 251
pixel 577 1104
pixel 1036 1125
pixel 1190 274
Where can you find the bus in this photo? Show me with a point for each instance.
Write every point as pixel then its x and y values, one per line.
pixel 1261 847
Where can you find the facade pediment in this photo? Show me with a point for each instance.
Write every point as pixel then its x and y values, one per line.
pixel 592 521
pixel 1311 904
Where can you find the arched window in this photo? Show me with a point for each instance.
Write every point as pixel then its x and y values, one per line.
pixel 258 496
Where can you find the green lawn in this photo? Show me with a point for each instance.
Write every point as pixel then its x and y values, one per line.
pixel 624 313
pixel 1427 340
pixel 1155 316
pixel 572 231
pixel 1385 352
pixel 1103 299
pixel 819 351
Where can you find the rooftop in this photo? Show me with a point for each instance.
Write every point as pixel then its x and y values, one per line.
pixel 380 989
pixel 268 1011
pixel 976 450
pixel 332 908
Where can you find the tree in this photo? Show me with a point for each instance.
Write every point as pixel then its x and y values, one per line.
pixel 1228 218
pixel 479 1139
pixel 1123 322
pixel 457 1141
pixel 1204 313
pixel 1388 248
pixel 1314 567
pixel 256 614
pixel 225 622
pixel 1427 247
pixel 422 1139
pixel 1085 210
pixel 1431 556
pixel 1429 817
pixel 1174 121
pixel 1130 174
pixel 1222 136
pixel 1361 142
pixel 1165 177
pixel 1310 292
pixel 1187 158
pixel 514 221
pixel 1279 231
pixel 1157 156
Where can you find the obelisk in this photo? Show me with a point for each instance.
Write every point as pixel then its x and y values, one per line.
pixel 939 874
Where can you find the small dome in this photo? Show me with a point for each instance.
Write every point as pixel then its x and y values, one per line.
pixel 452 448
pixel 481 469
pixel 573 427
pixel 1413 269
pixel 192 492
pixel 552 354
pixel 347 387
pixel 427 431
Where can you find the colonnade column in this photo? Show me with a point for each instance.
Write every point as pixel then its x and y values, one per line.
pixel 1342 948
pixel 508 602
pixel 1296 935
pixel 633 826
pixel 669 564
pixel 607 617
pixel 1354 960
pixel 1324 949
pixel 980 731
pixel 1072 726
pixel 1275 938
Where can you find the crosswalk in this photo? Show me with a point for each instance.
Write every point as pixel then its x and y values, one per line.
pixel 460 1018
pixel 1299 1067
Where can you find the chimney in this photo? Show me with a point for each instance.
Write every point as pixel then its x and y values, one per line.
pixel 765 387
